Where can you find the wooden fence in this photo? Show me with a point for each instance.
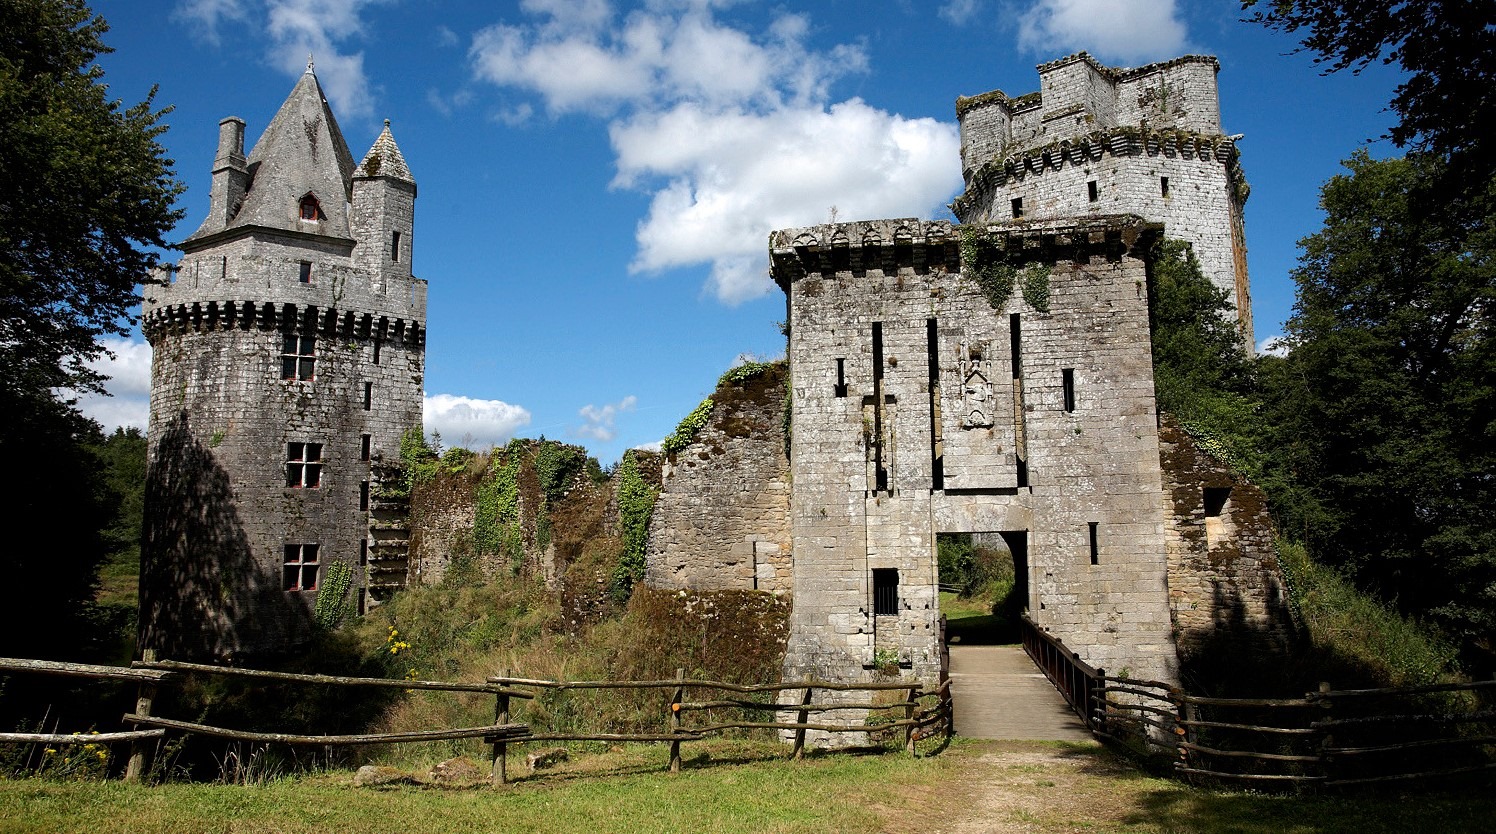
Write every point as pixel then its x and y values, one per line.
pixel 919 712
pixel 1329 737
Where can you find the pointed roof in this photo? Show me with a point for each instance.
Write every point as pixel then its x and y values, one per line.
pixel 301 152
pixel 384 159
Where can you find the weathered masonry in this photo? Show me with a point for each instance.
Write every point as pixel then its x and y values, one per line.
pixel 289 347
pixel 1097 140
pixel 1011 395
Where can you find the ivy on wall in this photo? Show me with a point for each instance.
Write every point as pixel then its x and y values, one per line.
pixel 992 269
pixel 686 431
pixel 636 501
pixel 496 524
pixel 332 595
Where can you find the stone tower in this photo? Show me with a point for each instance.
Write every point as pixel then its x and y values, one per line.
pixel 289 349
pixel 1096 140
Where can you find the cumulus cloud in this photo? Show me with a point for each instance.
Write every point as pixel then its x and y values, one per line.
pixel 1132 31
pixel 472 423
pixel 298 29
pixel 129 384
pixel 1273 346
pixel 732 132
pixel 599 420
pixel 958 11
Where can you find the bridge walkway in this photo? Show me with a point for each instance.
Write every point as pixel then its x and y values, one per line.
pixel 998 693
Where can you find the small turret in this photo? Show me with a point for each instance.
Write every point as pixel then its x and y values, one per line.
pixel 383 220
pixel 230 176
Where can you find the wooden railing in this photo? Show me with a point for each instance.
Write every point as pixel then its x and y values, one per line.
pixel 919 712
pixel 1329 737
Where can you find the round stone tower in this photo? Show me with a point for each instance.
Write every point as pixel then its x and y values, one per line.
pixel 1096 141
pixel 289 349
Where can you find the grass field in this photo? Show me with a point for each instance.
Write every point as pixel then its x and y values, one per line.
pixel 746 787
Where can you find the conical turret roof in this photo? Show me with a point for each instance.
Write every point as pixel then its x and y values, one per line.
pixel 302 152
pixel 384 159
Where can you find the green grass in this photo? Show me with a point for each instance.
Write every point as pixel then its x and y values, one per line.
pixel 749 787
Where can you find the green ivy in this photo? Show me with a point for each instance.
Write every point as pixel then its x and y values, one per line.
pixel 496 528
pixel 744 372
pixel 636 500
pixel 686 431
pixel 332 595
pixel 1035 278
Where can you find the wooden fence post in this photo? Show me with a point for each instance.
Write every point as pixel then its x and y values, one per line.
pixel 500 773
pixel 675 702
pixel 801 717
pixel 1328 740
pixel 909 716
pixel 139 751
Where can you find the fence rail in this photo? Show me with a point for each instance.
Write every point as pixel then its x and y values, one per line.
pixel 1330 737
pixel 923 711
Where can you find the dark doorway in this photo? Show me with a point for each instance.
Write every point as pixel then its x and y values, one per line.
pixel 983 585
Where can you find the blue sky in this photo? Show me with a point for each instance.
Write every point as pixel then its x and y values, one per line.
pixel 598 179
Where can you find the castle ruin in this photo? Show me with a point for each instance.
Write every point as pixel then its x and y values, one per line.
pixel 289 348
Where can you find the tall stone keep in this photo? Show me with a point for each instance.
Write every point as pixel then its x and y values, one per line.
pixel 289 349
pixel 1094 140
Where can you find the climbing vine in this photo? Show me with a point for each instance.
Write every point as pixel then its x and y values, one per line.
pixel 686 431
pixel 636 500
pixel 744 372
pixel 989 266
pixel 332 595
pixel 1035 278
pixel 496 525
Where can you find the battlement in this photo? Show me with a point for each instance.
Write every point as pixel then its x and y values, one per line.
pixel 1078 96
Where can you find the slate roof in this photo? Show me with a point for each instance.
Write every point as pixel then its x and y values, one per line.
pixel 384 159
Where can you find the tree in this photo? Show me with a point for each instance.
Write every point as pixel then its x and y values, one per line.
pixel 85 190
pixel 1447 47
pixel 1201 372
pixel 1386 404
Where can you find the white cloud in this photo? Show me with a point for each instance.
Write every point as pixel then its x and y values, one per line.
pixel 129 372
pixel 205 15
pixel 1274 346
pixel 298 29
pixel 733 132
pixel 1133 31
pixel 958 11
pixel 732 177
pixel 600 420
pixel 475 424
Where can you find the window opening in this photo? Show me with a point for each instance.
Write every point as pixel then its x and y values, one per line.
pixel 366 442
pixel 841 378
pixel 885 592
pixel 1091 191
pixel 1215 514
pixel 305 272
pixel 363 496
pixel 309 209
pixel 1163 186
pixel 1020 428
pixel 363 552
pixel 1095 547
pixel 376 351
pixel 395 247
pixel 937 440
pixel 1017 204
pixel 368 395
pixel 1067 382
pixel 363 602
pixel 880 476
pixel 299 357
pixel 300 568
pixel 303 465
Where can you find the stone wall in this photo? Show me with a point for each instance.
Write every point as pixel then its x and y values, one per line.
pixel 913 416
pixel 1227 596
pixel 722 518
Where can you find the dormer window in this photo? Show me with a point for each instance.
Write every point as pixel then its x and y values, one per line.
pixel 311 210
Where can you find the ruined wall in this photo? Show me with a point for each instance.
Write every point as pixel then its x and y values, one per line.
pixel 1096 140
pixel 923 406
pixel 722 518
pixel 1227 596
